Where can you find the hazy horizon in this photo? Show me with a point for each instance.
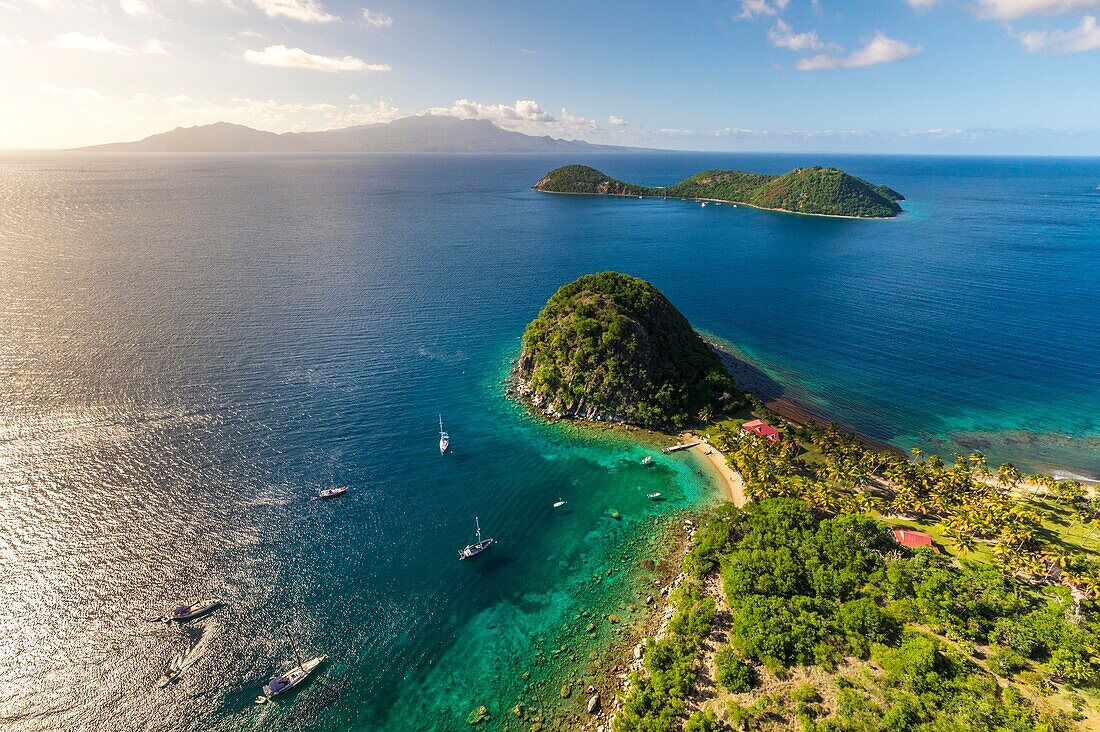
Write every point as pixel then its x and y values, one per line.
pixel 901 76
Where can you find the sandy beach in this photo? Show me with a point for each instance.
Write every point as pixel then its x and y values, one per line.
pixel 731 479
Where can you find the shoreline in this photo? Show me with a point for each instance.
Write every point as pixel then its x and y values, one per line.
pixel 771 394
pixel 731 203
pixel 732 482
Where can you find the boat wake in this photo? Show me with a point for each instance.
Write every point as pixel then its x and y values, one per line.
pixel 197 643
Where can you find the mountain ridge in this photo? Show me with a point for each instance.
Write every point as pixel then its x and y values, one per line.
pixel 422 133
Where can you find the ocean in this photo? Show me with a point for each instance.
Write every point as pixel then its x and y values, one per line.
pixel 192 345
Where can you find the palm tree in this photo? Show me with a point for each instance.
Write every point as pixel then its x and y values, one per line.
pixel 1008 476
pixel 978 461
pixel 916 451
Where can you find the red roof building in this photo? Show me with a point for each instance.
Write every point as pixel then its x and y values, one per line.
pixel 761 428
pixel 914 539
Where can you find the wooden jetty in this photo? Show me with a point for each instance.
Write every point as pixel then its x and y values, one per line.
pixel 685 446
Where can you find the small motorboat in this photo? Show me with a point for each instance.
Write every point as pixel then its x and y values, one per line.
pixel 330 493
pixel 559 503
pixel 183 613
pixel 472 550
pixel 653 496
pixel 704 205
pixel 169 678
pixel 286 681
pixel 647 460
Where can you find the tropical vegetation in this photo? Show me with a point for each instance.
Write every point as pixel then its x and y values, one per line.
pixel 812 190
pixel 611 347
pixel 902 640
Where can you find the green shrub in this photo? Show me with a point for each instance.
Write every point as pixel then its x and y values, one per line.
pixel 1005 661
pixel 705 721
pixel 732 673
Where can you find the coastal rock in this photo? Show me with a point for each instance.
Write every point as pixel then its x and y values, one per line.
pixel 593 703
pixel 566 691
pixel 477 716
pixel 612 618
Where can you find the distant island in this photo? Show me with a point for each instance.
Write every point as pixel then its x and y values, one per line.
pixel 609 347
pixel 424 133
pixel 815 190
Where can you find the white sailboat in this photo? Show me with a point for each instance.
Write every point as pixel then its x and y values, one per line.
pixel 472 550
pixel 287 680
pixel 444 438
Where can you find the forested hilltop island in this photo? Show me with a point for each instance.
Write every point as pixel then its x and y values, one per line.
pixel 610 347
pixel 814 190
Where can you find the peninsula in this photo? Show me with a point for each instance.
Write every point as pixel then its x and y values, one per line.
pixel 842 587
pixel 816 190
pixel 611 348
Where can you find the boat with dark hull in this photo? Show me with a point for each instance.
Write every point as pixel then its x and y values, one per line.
pixel 472 550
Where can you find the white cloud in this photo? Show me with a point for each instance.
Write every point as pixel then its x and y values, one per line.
pixel 753 8
pixel 136 7
pixel 4 41
pixel 141 98
pixel 921 4
pixel 154 47
pixel 307 11
pixel 178 100
pixel 246 33
pixel 1011 9
pixel 376 20
pixel 783 36
pixel 525 116
pixel 81 42
pixel 616 121
pixel 879 50
pixel 368 113
pixel 76 95
pixel 1084 37
pixel 296 58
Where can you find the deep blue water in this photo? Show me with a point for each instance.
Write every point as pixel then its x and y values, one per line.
pixel 190 345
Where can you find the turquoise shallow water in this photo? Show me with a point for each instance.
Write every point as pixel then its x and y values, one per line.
pixel 194 344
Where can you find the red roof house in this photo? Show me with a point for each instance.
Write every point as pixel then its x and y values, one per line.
pixel 761 428
pixel 914 539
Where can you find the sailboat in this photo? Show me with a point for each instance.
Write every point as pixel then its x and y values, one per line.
pixel 444 438
pixel 472 550
pixel 287 680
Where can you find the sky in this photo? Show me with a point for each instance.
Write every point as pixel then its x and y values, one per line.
pixel 917 76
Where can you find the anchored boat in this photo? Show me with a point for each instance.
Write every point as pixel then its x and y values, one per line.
pixel 444 438
pixel 183 613
pixel 472 550
pixel 330 493
pixel 287 680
